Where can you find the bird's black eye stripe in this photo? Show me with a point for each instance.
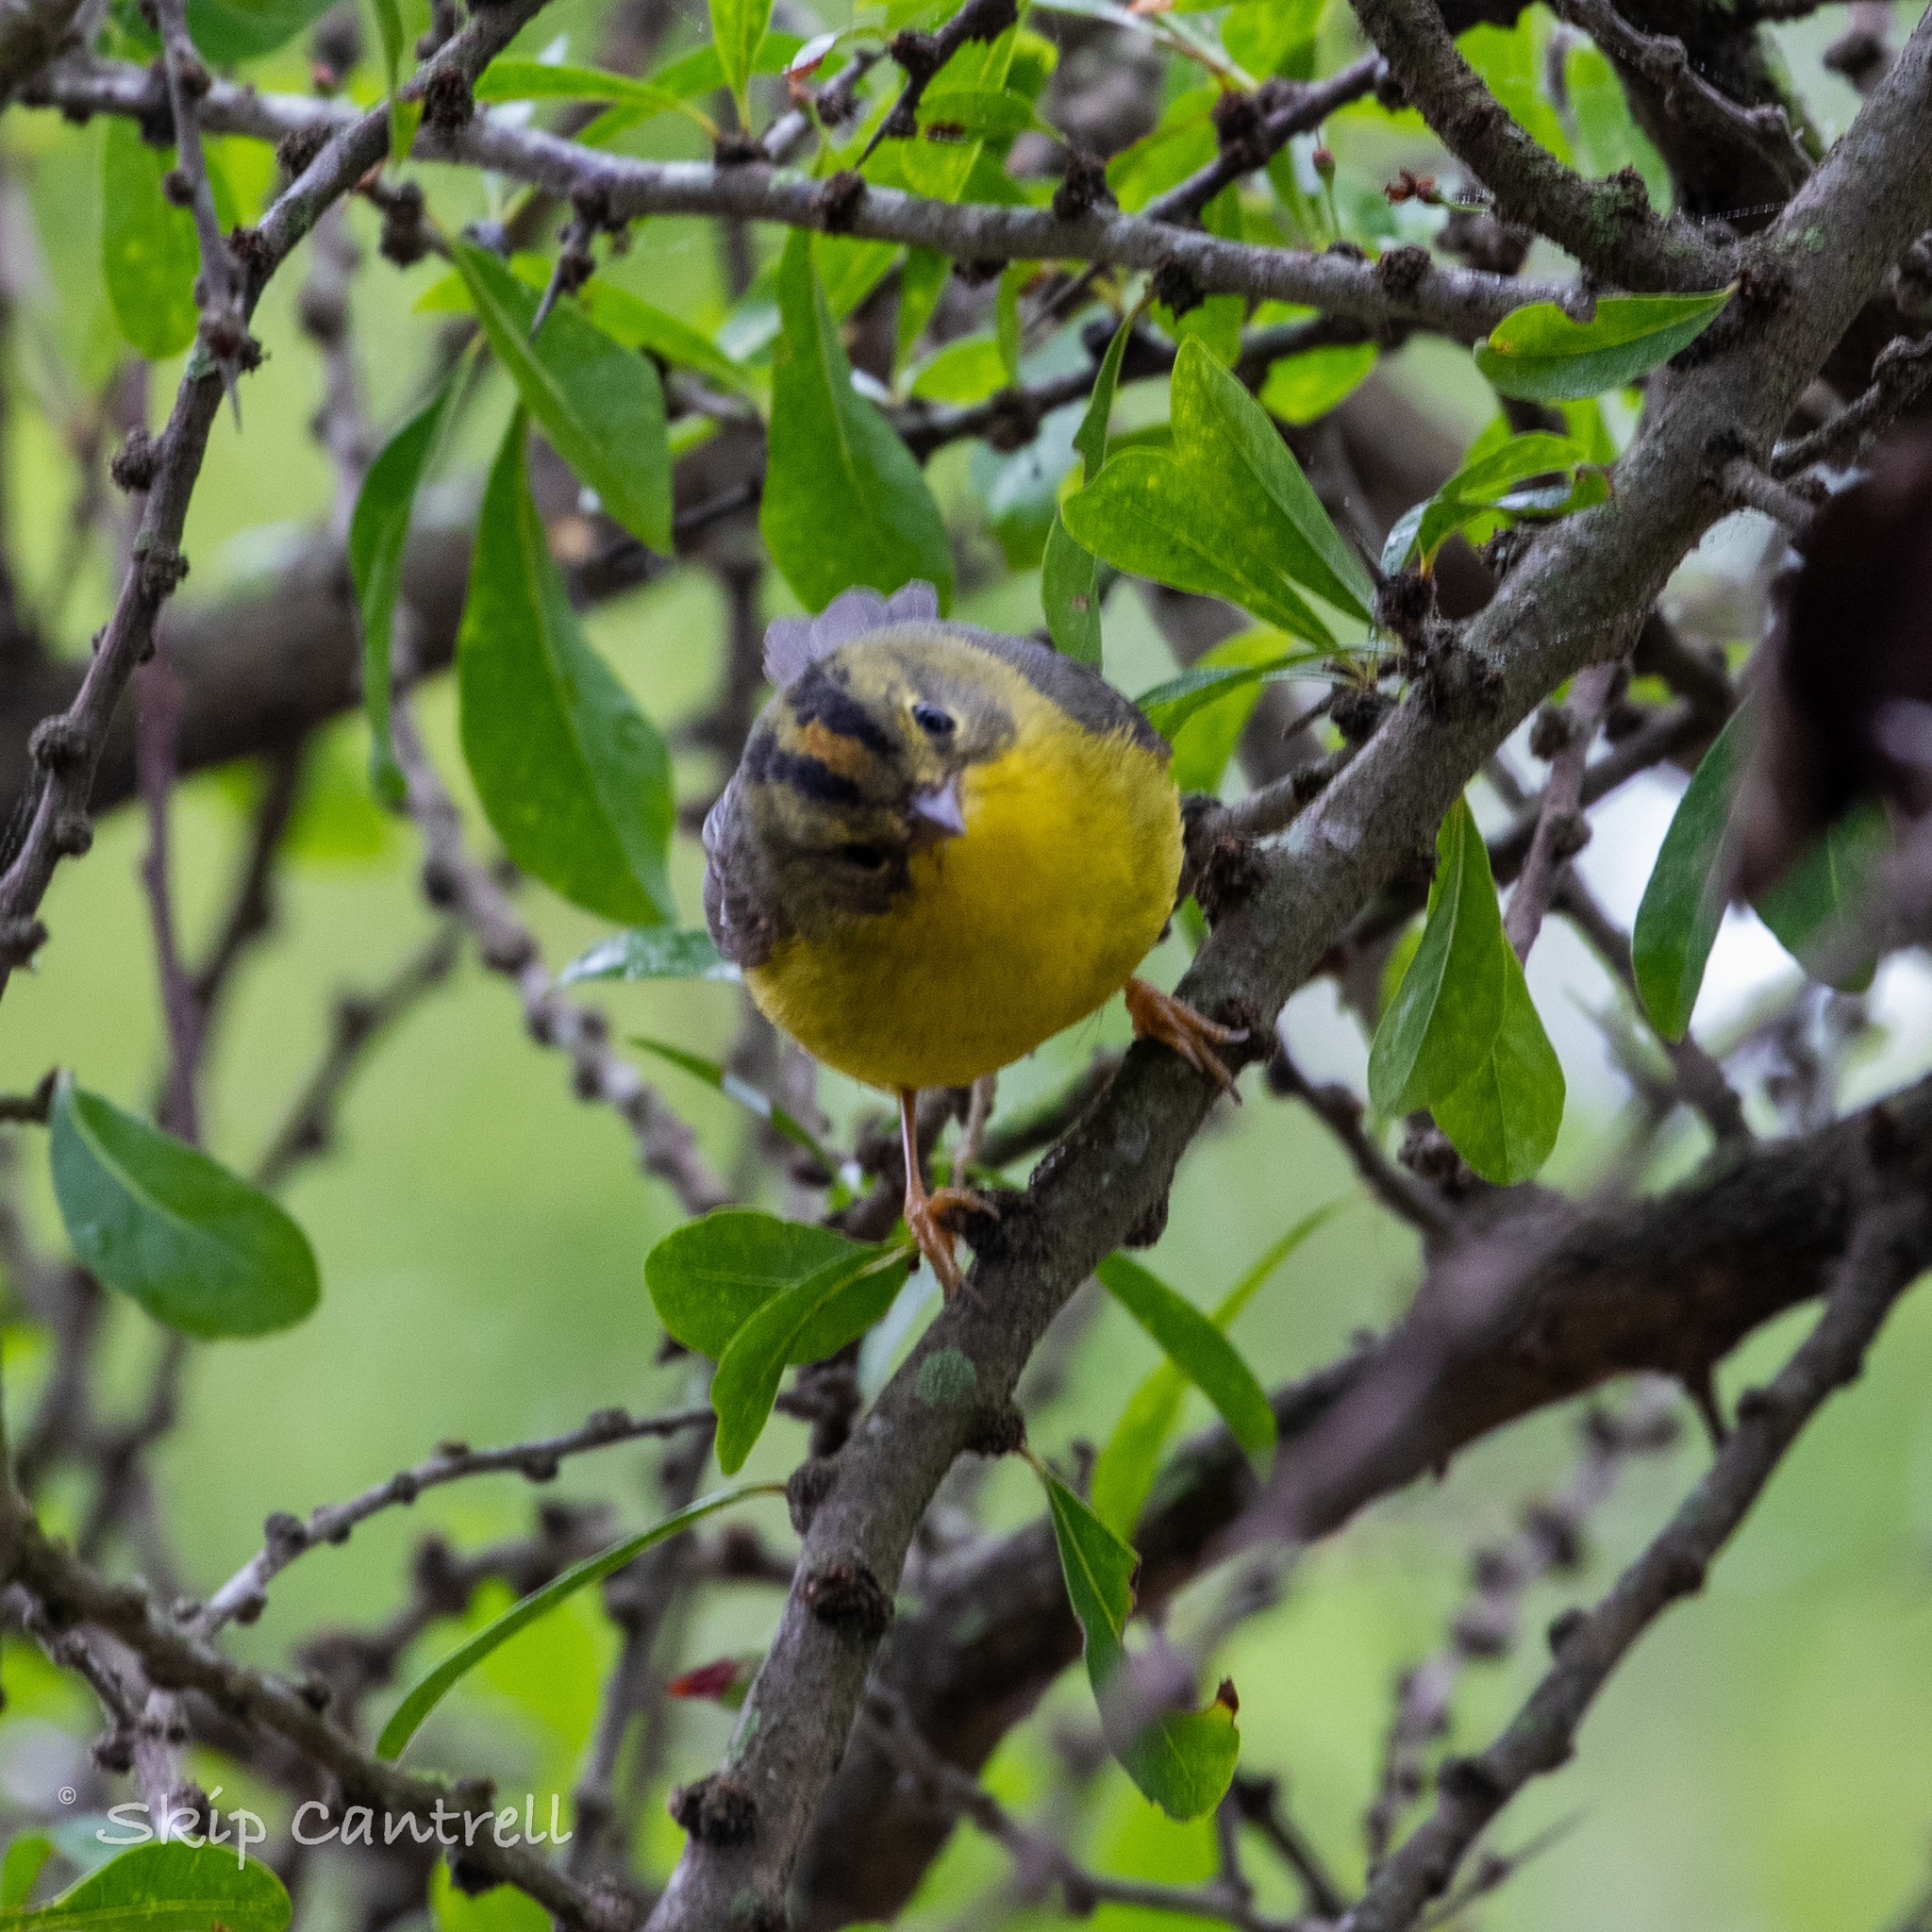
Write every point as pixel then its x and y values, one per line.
pixel 817 698
pixel 869 856
pixel 932 719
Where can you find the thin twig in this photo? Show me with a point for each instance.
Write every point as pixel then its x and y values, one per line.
pixel 242 1596
pixel 1902 370
pixel 1560 827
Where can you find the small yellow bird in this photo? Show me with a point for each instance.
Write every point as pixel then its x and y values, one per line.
pixel 941 848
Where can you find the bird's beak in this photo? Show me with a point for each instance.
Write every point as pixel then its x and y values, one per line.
pixel 936 813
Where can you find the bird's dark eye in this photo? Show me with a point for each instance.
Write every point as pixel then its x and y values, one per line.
pixel 933 721
pixel 869 856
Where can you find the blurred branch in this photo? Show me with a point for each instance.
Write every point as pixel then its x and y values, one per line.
pixel 1898 376
pixel 1888 1249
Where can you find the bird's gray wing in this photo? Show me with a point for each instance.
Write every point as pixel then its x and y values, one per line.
pixel 740 910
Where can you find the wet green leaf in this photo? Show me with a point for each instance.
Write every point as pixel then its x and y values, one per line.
pixel 1439 1030
pixel 572 776
pixel 844 502
pixel 1503 1119
pixel 806 1321
pixel 378 534
pixel 1197 1347
pixel 1183 1761
pixel 1811 907
pixel 149 256
pixel 166 1886
pixel 600 405
pixel 711 1276
pixel 165 1224
pixel 1683 905
pixel 1124 1473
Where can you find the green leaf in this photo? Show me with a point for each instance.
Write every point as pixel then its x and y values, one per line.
pixel 1486 478
pixel 1183 1761
pixel 736 28
pixel 1168 706
pixel 1215 320
pixel 227 31
pixel 634 322
pixel 1006 316
pixel 1091 438
pixel 1198 1348
pixel 1443 1022
pixel 389 28
pixel 572 775
pixel 164 1887
pixel 1069 596
pixel 1683 905
pixel 811 1318
pixel 1205 740
pixel 1304 388
pixel 600 405
pixel 149 256
pixel 502 1908
pixel 430 1691
pixel 922 282
pixel 966 370
pixel 650 952
pixel 25 1857
pixel 1228 513
pixel 163 1223
pixel 976 113
pixel 1539 352
pixel 1124 1474
pixel 722 1080
pixel 1812 907
pixel 378 534
pixel 1502 1120
pixel 506 79
pixel 844 502
pixel 701 72
pixel 711 1276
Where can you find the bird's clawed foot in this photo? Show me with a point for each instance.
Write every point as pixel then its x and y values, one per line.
pixel 929 1214
pixel 929 1217
pixel 1176 1024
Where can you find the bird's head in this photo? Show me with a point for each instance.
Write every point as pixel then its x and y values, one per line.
pixel 858 763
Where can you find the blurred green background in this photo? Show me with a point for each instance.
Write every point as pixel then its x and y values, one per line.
pixel 1762 1762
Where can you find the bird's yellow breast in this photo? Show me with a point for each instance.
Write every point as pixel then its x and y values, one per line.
pixel 1033 917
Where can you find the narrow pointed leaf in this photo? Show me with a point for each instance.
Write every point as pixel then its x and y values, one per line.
pixel 1439 1028
pixel 1069 596
pixel 627 319
pixel 378 534
pixel 573 777
pixel 1183 1761
pixel 728 1083
pixel 1091 438
pixel 650 952
pixel 736 28
pixel 1811 909
pixel 1683 905
pixel 1503 1119
pixel 600 405
pixel 1170 703
pixel 388 29
pixel 1124 1471
pixel 539 80
pixel 162 1223
pixel 425 1696
pixel 1197 1347
pixel 814 1318
pixel 25 1857
pixel 1540 354
pixel 844 502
